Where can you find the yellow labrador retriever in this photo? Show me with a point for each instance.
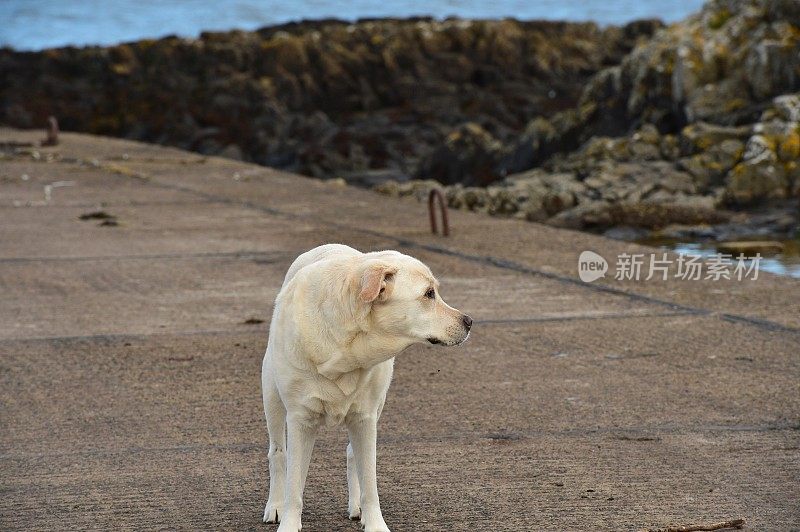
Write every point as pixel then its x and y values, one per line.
pixel 339 320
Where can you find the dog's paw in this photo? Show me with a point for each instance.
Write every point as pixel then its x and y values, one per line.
pixel 271 512
pixel 377 527
pixel 354 511
pixel 289 526
pixel 373 522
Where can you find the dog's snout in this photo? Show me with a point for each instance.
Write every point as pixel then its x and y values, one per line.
pixel 467 321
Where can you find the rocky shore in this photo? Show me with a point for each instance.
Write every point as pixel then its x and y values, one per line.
pixel 364 101
pixel 695 134
pixel 640 130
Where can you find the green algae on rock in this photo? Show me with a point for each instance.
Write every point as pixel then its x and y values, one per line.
pixel 702 118
pixel 563 123
pixel 323 98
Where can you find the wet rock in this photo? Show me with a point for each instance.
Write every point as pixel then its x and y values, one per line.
pixel 780 221
pixel 788 147
pixel 637 181
pixel 684 232
pixel 701 136
pixel 468 156
pixel 543 138
pixel 773 63
pixel 654 215
pixel 755 180
pixel 710 167
pixel 670 147
pixel 645 144
pixel 590 214
pixel 468 198
pixel 786 108
pixel 418 189
pixel 389 188
pixel 768 169
pixel 501 201
pixel 322 98
pixel 626 232
pixel 641 151
pixel 542 195
pixel 374 178
pixel 718 67
pixel 231 151
pixel 751 248
pixel 783 10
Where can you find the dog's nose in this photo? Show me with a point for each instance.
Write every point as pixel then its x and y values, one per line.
pixel 467 321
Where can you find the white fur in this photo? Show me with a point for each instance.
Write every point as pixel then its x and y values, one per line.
pixel 340 318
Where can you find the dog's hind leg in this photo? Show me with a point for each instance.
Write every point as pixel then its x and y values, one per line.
pixel 276 425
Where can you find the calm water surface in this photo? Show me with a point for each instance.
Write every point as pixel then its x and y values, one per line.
pixel 37 24
pixel 785 263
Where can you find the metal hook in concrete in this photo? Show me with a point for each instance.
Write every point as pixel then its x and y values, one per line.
pixel 437 194
pixel 52 132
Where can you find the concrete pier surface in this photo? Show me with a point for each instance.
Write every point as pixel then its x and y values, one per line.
pixel 131 342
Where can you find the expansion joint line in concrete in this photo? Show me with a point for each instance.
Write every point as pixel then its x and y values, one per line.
pixel 262 256
pixel 615 433
pixel 119 337
pixel 615 316
pixel 95 205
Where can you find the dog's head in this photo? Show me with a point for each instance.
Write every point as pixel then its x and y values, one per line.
pixel 404 301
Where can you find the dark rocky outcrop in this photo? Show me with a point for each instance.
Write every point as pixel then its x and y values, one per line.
pixel 323 98
pixel 722 66
pixel 703 118
pixel 642 126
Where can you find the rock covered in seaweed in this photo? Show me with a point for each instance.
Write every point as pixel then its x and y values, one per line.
pixel 720 66
pixel 325 98
pixel 703 117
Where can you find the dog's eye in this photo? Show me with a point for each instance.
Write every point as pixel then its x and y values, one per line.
pixel 431 293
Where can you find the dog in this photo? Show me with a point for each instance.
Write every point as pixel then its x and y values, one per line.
pixel 340 318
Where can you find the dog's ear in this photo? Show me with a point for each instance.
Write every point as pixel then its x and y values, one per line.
pixel 374 281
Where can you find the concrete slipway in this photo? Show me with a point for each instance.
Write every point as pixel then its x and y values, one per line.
pixel 130 380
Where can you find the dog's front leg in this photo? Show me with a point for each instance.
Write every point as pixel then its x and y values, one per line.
pixel 363 435
pixel 353 489
pixel 276 424
pixel 302 432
